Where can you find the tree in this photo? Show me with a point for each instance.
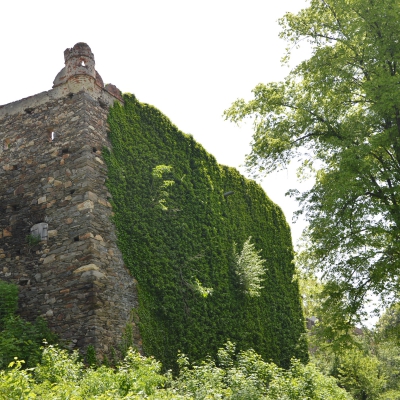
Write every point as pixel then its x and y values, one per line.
pixel 388 325
pixel 338 113
pixel 359 374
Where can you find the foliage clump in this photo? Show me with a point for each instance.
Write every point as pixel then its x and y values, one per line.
pixel 243 375
pixel 19 338
pixel 249 267
pixel 365 361
pixel 8 300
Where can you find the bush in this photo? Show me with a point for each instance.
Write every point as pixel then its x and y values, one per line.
pixel 8 300
pixel 24 340
pixel 236 376
pixel 19 338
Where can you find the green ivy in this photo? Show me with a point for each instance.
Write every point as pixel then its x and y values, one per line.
pixel 178 222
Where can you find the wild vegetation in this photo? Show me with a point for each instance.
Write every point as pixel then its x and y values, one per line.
pixel 54 373
pixel 232 376
pixel 365 368
pixel 19 338
pixel 338 114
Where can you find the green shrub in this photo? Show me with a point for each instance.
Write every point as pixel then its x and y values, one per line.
pixel 19 338
pixel 24 340
pixel 236 376
pixel 8 300
pixel 360 374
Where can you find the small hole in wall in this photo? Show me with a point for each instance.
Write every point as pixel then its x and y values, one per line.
pixel 65 151
pixel 15 167
pixel 76 239
pixel 103 104
pixel 70 95
pixel 18 252
pixel 72 191
pixel 14 207
pixel 94 149
pixel 24 281
pixel 29 110
pixel 83 63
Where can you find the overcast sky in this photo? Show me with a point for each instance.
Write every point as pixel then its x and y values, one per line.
pixel 190 59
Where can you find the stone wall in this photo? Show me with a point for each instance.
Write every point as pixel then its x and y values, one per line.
pixel 51 170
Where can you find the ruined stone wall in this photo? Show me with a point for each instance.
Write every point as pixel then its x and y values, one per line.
pixel 51 170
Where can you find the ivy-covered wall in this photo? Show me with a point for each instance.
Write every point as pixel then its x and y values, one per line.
pixel 177 230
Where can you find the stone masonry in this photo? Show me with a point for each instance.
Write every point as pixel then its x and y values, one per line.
pixel 52 172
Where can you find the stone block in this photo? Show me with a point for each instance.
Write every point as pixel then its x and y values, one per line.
pixel 84 268
pixel 41 200
pixel 91 196
pixel 19 190
pixel 49 259
pixel 87 204
pixel 7 232
pixel 86 236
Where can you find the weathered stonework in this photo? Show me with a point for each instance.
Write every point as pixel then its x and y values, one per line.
pixel 51 170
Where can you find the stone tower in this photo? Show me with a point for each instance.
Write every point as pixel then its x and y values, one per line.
pixel 57 241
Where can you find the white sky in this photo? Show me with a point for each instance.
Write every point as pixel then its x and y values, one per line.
pixel 190 59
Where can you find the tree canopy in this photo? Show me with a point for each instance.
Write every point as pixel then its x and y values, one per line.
pixel 338 112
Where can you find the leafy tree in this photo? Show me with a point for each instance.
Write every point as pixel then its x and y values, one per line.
pixel 359 374
pixel 388 355
pixel 387 345
pixel 365 362
pixel 338 113
pixel 389 324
